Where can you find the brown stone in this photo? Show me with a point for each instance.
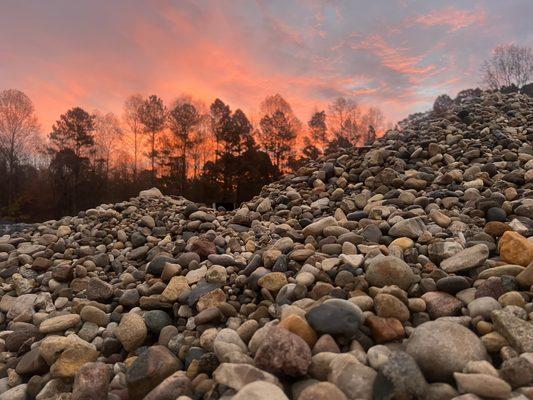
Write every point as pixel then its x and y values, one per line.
pixel 149 369
pixel 91 382
pixel 442 304
pixel 273 281
pixel 496 228
pixel 203 248
pixel 283 353
pixel 213 298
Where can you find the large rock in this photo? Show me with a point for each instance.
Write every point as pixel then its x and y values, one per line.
pixel 441 348
pixel 389 270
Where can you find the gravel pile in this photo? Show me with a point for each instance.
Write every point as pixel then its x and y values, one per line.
pixel 403 270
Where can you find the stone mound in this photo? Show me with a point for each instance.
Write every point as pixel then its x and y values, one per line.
pixel 398 270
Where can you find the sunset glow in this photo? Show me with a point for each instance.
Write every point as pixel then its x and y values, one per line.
pixel 395 54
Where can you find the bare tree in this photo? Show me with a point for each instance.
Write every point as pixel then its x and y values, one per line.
pixel 509 65
pixel 372 121
pixel 153 118
pixel 108 133
pixel 18 128
pixel 344 119
pixel 132 118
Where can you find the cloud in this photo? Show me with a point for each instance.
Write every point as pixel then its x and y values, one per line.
pixel 453 17
pixel 396 55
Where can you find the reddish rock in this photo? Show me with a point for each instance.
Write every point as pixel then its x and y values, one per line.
pixel 203 248
pixel 442 304
pixel 283 353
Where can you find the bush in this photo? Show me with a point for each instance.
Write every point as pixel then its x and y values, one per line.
pixel 527 89
pixel 442 104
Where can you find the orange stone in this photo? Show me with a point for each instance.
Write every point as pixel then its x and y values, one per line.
pixel 299 326
pixel 515 249
pixel 385 329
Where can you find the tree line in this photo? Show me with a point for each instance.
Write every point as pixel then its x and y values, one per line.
pixel 205 153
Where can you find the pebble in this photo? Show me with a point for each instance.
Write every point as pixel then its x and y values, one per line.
pixel 387 271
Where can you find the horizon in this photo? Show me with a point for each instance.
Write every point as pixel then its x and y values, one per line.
pixel 397 55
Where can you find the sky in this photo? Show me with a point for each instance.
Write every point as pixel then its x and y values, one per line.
pixel 395 54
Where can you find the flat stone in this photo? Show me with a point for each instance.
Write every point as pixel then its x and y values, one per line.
pixel 71 360
pixel 442 304
pixel 466 259
pixel 483 385
pixel 411 228
pixel 59 323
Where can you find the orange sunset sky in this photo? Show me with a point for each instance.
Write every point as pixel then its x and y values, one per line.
pixel 396 54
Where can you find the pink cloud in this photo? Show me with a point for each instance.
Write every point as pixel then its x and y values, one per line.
pixel 452 17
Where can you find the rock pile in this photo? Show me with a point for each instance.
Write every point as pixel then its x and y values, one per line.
pixel 399 271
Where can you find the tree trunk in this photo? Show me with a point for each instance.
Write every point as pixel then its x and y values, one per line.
pixel 136 150
pixel 153 160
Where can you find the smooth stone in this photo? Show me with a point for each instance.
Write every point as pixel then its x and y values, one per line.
pixel 283 353
pixel 59 323
pixel 335 317
pixel 483 385
pixel 322 391
pixel 260 390
pixel 441 348
pixel 389 270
